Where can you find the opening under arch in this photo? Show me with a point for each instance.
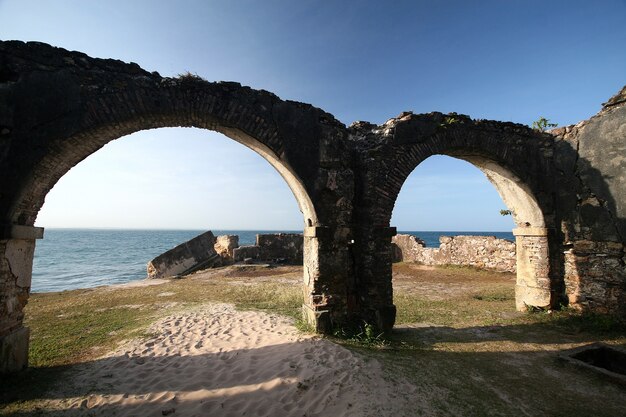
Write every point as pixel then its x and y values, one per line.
pixel 529 256
pixel 185 180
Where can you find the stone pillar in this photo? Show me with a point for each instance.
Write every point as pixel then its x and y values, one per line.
pixel 17 246
pixel 327 269
pixel 533 288
pixel 373 277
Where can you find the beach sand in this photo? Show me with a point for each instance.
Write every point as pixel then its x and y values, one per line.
pixel 217 361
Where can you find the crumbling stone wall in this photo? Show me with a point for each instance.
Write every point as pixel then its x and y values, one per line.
pixel 225 246
pixel 196 253
pixel 592 197
pixel 284 247
pixel 487 252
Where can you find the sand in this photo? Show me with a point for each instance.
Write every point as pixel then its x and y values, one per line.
pixel 217 361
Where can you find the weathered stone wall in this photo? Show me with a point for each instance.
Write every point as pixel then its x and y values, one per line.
pixel 284 247
pixel 242 253
pixel 486 252
pixel 16 263
pixel 592 200
pixel 194 254
pixel 281 246
pixel 13 293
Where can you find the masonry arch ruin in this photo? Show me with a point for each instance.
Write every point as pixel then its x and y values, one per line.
pixel 567 187
pixel 531 257
pixel 502 151
pixel 70 107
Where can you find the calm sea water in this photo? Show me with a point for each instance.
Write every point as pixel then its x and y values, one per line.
pixel 80 258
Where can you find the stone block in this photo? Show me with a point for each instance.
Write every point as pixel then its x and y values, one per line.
pixel 14 350
pixel 531 296
pixel 194 254
pixel 225 245
pixel 246 252
pixel 287 246
pixel 19 253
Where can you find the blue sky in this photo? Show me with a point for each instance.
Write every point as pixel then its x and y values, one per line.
pixel 360 60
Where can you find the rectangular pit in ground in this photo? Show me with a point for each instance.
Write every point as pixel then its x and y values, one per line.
pixel 600 358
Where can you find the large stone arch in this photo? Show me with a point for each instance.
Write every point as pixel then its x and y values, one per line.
pixel 63 106
pixel 514 158
pixel 567 187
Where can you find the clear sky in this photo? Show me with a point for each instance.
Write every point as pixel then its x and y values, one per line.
pixel 360 60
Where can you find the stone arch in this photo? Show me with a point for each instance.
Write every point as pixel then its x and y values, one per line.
pixel 125 115
pixel 57 107
pixel 69 106
pixel 513 157
pixel 57 163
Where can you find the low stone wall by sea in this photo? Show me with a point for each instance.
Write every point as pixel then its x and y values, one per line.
pixel 207 251
pixel 486 252
pixel 286 247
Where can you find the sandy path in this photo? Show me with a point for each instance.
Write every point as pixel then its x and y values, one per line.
pixel 222 362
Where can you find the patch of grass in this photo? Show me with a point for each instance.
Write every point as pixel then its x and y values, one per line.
pixel 190 78
pixel 470 310
pixel 363 335
pixel 77 325
pixel 577 322
pixel 497 295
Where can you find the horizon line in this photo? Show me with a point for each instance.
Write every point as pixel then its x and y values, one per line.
pixel 242 230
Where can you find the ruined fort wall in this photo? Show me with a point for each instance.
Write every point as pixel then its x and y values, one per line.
pixel 486 252
pixel 592 202
pixel 286 247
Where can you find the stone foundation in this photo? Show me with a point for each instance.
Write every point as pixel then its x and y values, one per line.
pixel 486 252
pixel 14 350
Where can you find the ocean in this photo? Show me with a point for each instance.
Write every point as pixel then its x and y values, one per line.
pixel 81 258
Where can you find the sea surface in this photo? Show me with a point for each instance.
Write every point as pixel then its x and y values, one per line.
pixel 81 258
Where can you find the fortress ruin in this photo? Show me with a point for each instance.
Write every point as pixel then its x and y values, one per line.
pixel 566 188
